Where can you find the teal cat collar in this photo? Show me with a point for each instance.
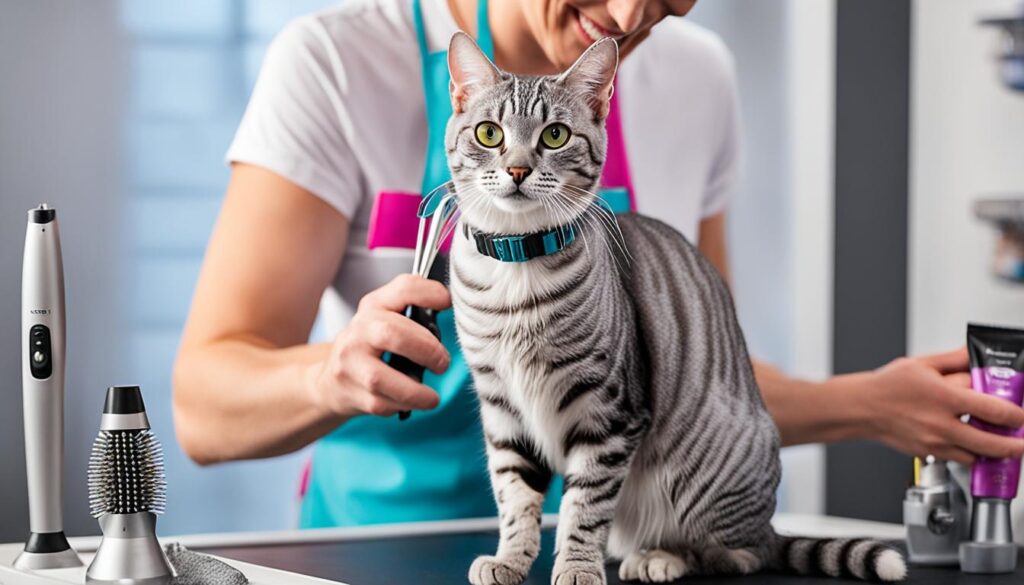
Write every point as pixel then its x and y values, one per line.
pixel 523 247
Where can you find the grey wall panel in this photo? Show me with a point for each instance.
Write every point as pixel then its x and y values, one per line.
pixel 870 328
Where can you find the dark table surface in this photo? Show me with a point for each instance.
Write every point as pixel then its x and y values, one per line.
pixel 445 559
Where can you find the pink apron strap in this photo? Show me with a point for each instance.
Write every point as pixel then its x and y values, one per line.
pixel 394 222
pixel 304 478
pixel 616 164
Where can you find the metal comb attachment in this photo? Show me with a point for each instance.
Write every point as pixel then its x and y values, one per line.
pixel 439 214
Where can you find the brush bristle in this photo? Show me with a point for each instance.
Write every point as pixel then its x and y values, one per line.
pixel 126 474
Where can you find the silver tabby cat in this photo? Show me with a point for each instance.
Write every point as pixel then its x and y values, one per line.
pixel 616 362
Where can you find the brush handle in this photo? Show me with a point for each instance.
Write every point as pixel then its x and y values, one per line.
pixel 428 319
pixel 42 372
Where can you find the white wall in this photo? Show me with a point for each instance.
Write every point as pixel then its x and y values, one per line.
pixel 780 224
pixel 60 92
pixel 967 140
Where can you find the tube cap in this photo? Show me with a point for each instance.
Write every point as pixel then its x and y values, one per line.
pixel 124 400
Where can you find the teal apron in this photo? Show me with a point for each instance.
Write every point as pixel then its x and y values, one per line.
pixel 375 470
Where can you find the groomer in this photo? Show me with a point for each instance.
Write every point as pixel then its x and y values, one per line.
pixel 347 112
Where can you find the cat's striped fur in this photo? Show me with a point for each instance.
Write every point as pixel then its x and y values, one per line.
pixel 626 372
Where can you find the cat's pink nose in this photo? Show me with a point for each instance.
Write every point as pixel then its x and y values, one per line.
pixel 518 174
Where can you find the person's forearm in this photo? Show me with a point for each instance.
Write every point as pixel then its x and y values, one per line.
pixel 234 399
pixel 814 412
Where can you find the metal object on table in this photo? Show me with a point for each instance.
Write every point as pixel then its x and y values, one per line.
pixel 935 514
pixel 42 374
pixel 127 489
pixel 991 548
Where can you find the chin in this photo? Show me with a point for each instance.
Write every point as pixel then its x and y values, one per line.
pixel 508 217
pixel 516 205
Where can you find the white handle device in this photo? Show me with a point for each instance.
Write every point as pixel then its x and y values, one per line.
pixel 42 374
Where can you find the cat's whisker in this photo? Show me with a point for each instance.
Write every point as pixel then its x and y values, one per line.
pixel 583 213
pixel 573 215
pixel 608 219
pixel 606 216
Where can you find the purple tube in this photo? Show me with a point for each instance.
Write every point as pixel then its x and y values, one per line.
pixel 997 369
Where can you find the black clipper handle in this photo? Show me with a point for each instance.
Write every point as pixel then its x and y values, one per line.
pixel 428 319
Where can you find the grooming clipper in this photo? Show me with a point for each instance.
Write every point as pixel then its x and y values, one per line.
pixel 440 207
pixel 127 489
pixel 42 379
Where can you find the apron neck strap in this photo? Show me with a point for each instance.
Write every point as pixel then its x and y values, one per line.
pixel 483 30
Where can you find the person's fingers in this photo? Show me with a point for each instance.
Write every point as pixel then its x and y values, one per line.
pixel 948 362
pixel 380 405
pixel 402 336
pixel 959 379
pixel 405 290
pixel 394 388
pixel 984 443
pixel 954 454
pixel 990 409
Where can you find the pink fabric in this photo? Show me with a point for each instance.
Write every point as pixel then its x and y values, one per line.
pixel 394 222
pixel 616 164
pixel 307 472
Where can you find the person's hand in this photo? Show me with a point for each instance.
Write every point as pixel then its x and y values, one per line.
pixel 915 405
pixel 353 379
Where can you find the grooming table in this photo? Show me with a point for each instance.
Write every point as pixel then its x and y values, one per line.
pixel 439 553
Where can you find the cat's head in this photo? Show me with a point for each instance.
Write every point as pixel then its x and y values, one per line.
pixel 526 153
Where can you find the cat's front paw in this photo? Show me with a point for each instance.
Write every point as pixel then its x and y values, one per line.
pixel 579 574
pixel 488 570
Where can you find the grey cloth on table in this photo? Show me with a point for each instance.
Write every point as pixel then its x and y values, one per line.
pixel 198 569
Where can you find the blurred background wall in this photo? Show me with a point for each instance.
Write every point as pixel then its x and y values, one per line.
pixel 118 113
pixel 967 143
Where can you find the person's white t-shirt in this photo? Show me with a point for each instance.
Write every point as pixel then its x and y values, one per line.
pixel 338 109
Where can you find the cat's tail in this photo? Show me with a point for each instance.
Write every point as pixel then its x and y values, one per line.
pixel 862 558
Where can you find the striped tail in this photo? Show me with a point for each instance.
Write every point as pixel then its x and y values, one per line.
pixel 862 558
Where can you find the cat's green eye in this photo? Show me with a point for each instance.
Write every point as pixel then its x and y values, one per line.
pixel 489 134
pixel 555 136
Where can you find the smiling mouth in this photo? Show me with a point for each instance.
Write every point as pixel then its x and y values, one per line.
pixel 590 30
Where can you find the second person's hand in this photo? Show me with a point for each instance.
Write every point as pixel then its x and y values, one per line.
pixel 915 405
pixel 354 380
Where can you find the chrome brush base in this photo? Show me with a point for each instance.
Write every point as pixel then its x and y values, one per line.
pixel 129 553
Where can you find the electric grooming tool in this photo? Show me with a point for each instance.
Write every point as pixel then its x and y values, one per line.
pixel 440 209
pixel 127 489
pixel 935 514
pixel 42 376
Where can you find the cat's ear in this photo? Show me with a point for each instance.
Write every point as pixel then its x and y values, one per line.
pixel 470 70
pixel 593 75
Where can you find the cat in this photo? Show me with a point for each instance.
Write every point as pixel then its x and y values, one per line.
pixel 616 361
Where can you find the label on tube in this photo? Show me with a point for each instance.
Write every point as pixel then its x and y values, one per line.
pixel 997 369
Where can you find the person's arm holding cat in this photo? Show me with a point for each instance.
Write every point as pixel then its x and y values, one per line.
pixel 912 404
